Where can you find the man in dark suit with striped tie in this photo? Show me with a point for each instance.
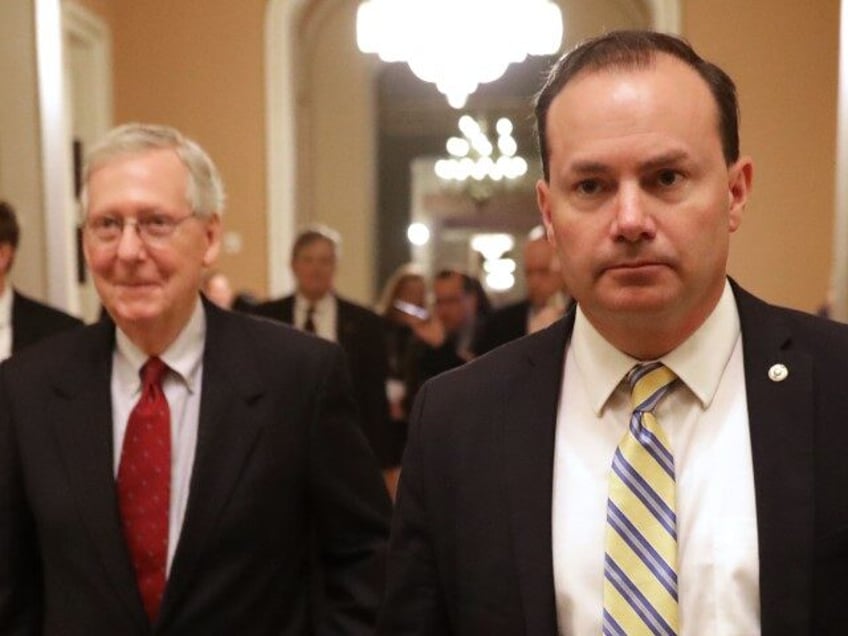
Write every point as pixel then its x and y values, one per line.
pixel 670 457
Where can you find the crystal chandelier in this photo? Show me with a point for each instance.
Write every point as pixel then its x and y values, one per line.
pixel 474 156
pixel 458 44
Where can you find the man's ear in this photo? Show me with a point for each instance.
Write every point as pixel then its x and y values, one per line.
pixel 739 182
pixel 543 201
pixel 7 255
pixel 213 240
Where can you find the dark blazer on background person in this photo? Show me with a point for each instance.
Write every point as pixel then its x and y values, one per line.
pixel 33 321
pixel 361 333
pixel 476 557
pixel 279 466
pixel 503 325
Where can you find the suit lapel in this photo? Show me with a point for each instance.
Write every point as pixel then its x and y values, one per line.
pixel 529 424
pixel 287 310
pixel 345 327
pixel 781 419
pixel 227 431
pixel 23 329
pixel 81 416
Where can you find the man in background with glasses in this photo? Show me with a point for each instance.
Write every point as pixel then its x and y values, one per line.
pixel 160 471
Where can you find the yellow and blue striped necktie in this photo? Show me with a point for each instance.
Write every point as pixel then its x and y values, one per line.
pixel 640 564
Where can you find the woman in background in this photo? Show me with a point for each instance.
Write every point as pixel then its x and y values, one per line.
pixel 402 304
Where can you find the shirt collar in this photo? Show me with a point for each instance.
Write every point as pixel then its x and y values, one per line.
pixel 320 306
pixel 6 306
pixel 183 356
pixel 699 361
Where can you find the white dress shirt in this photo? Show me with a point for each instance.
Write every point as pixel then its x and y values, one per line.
pixel 706 420
pixel 6 322
pixel 324 316
pixel 181 386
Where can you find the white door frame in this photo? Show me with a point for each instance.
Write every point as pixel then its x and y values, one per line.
pixel 56 173
pixel 839 271
pixel 88 94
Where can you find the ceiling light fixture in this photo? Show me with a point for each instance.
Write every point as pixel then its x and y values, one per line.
pixel 458 44
pixel 473 155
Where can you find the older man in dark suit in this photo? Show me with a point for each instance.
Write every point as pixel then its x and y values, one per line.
pixel 177 468
pixel 23 320
pixel 670 458
pixel 317 308
pixel 545 301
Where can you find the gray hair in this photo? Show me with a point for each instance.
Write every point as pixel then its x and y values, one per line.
pixel 205 191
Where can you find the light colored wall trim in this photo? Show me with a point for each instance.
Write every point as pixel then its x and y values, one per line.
pixel 666 14
pixel 88 89
pixel 93 33
pixel 281 125
pixel 20 152
pixel 839 273
pixel 56 158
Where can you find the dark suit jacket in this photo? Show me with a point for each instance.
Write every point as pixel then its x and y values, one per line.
pixel 471 540
pixel 361 333
pixel 279 462
pixel 33 321
pixel 503 325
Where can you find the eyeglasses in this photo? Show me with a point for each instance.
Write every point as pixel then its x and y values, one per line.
pixel 152 229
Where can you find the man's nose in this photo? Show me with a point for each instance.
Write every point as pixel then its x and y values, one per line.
pixel 633 220
pixel 130 244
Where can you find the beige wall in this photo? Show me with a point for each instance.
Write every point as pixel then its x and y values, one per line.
pixel 20 138
pixel 338 110
pixel 199 65
pixel 783 56
pixel 103 8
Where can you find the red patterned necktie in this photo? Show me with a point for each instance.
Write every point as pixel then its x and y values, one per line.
pixel 144 485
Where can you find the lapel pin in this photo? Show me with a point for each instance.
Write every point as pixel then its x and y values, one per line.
pixel 778 373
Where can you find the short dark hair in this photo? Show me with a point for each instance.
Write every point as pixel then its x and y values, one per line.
pixel 315 233
pixel 450 272
pixel 631 50
pixel 10 232
pixel 471 286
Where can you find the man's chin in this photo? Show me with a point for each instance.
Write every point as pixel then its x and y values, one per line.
pixel 638 301
pixel 132 313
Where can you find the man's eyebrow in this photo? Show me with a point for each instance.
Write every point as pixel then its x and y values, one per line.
pixel 589 167
pixel 661 161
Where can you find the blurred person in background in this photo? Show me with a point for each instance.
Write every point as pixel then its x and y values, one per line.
pixel 402 304
pixel 216 287
pixel 545 302
pixel 317 308
pixel 445 340
pixel 23 321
